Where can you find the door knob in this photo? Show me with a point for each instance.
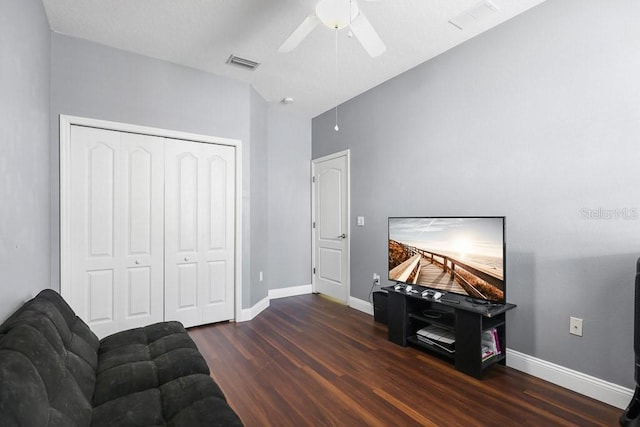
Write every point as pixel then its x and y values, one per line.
pixel 342 236
pixel 186 259
pixel 137 262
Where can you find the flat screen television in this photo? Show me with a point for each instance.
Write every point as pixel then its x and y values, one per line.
pixel 458 255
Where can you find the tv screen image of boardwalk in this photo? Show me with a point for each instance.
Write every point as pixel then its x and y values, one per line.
pixel 460 255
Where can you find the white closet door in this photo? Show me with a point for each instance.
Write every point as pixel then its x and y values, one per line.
pixel 199 232
pixel 116 218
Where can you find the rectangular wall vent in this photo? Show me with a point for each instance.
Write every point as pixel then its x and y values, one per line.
pixel 243 62
pixel 478 12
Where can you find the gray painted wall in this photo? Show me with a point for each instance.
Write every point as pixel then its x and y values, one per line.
pixel 24 152
pixel 91 80
pixel 537 120
pixel 259 193
pixel 289 202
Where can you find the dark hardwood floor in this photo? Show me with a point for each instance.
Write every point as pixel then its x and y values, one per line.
pixel 308 361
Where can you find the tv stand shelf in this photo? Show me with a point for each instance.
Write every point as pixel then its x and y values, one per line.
pixel 409 311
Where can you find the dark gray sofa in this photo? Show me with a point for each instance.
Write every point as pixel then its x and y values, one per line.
pixel 55 372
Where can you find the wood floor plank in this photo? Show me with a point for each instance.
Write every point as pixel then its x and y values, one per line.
pixel 309 361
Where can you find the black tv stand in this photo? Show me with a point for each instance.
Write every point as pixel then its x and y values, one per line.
pixel 467 321
pixel 476 301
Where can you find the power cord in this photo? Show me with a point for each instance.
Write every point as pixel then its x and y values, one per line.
pixel 376 281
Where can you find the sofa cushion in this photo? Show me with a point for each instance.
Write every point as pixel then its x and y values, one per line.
pixel 194 400
pixel 138 359
pixel 143 408
pixel 48 359
pixel 155 375
pixel 23 395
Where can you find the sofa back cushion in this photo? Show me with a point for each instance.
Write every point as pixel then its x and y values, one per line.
pixel 48 358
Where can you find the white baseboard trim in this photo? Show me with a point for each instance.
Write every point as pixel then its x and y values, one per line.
pixel 289 292
pixel 587 385
pixel 360 305
pixel 249 313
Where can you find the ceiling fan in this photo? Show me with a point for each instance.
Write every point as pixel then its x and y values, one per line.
pixel 338 14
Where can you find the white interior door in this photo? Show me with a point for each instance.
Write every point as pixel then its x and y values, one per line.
pixel 199 232
pixel 331 220
pixel 116 228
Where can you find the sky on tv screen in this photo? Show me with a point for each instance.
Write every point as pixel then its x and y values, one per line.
pixel 473 239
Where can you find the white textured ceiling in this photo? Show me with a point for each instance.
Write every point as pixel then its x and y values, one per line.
pixel 203 33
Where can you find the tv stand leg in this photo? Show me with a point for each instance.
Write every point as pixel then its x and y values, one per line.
pixel 468 343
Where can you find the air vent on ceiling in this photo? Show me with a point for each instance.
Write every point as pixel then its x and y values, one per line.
pixel 475 13
pixel 243 62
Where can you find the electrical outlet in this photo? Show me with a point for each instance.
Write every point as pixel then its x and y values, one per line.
pixel 575 326
pixel 376 279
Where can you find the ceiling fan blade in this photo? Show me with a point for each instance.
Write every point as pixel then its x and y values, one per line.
pixel 299 33
pixel 367 35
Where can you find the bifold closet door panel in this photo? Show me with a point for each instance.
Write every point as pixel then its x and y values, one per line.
pixel 116 217
pixel 199 232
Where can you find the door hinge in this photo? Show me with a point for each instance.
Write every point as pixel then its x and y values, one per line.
pixel 313 179
pixel 314 270
pixel 314 224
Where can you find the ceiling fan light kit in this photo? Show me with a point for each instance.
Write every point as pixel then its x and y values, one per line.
pixel 336 15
